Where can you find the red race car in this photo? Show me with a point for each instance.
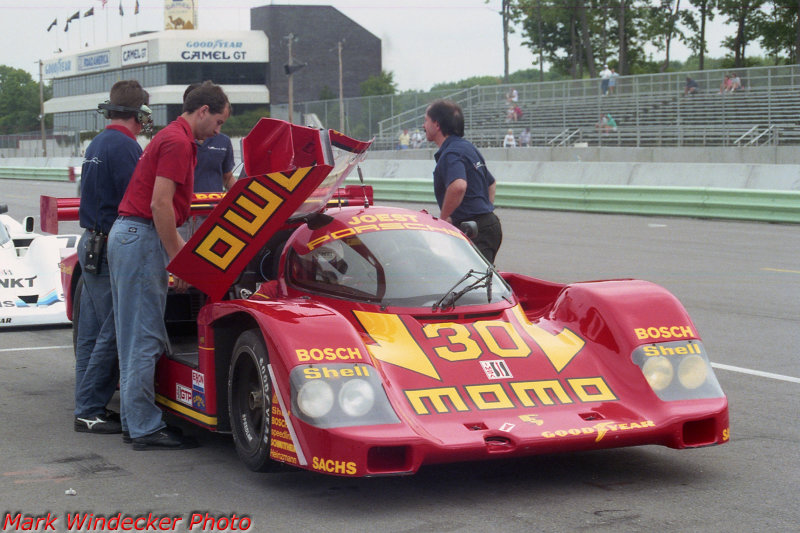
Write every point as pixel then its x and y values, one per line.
pixel 349 339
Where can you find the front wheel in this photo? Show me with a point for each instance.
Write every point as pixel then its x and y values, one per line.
pixel 250 401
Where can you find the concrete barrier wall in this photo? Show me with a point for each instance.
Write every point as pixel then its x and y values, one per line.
pixel 747 191
pixel 728 176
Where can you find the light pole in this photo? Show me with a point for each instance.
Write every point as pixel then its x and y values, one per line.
pixel 290 68
pixel 41 110
pixel 341 90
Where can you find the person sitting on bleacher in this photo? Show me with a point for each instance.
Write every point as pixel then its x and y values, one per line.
pixel 736 82
pixel 691 86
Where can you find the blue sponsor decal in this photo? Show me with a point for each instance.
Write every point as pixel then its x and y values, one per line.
pixel 94 61
pixel 198 400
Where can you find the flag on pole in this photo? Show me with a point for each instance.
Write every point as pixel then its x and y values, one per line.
pixel 89 13
pixel 104 2
pixel 121 12
pixel 136 9
pixel 53 24
pixel 76 15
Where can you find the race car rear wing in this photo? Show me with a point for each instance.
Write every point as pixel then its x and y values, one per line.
pixel 54 210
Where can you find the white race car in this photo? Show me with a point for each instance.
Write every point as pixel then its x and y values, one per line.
pixel 30 277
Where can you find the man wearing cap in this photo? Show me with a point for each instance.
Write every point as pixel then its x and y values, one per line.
pixel 107 168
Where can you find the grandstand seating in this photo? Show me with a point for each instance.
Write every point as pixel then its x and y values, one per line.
pixel 762 113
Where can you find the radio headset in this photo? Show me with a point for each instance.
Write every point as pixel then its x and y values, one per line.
pixel 143 113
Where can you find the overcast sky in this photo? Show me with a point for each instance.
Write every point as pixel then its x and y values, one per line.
pixel 425 42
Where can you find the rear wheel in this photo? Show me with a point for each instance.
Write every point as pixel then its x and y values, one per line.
pixel 250 401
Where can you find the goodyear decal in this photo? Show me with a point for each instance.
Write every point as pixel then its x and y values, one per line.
pixel 664 333
pixel 601 429
pixel 281 447
pixel 382 222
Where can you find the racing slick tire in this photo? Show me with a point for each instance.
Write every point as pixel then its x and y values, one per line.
pixel 76 313
pixel 250 401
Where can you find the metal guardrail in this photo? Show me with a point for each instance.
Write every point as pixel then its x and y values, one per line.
pixel 35 173
pixel 700 202
pixel 705 202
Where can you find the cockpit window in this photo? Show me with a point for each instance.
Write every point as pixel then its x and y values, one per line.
pixel 401 268
pixel 4 236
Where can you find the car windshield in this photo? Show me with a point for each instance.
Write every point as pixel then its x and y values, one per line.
pixel 4 236
pixel 399 268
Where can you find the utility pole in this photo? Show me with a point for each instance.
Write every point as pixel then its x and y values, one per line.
pixel 291 85
pixel 290 68
pixel 341 90
pixel 41 109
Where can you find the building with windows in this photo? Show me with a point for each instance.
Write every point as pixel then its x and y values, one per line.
pixel 250 65
pixel 316 33
pixel 164 63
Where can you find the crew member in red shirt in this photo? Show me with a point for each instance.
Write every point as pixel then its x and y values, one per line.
pixel 143 240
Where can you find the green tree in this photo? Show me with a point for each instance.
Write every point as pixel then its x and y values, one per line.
pixel 748 18
pixel 19 101
pixel 780 31
pixel 377 85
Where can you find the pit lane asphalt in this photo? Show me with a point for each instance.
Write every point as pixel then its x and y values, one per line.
pixel 739 281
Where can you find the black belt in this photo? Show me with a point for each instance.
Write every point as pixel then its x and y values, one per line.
pixel 140 220
pixel 476 218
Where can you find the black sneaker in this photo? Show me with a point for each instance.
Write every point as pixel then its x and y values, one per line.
pixel 97 424
pixel 164 439
pixel 126 437
pixel 112 415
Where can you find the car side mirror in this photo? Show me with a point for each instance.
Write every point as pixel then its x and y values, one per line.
pixel 27 222
pixel 470 228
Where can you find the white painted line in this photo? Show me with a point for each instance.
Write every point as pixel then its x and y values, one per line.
pixel 36 348
pixel 759 373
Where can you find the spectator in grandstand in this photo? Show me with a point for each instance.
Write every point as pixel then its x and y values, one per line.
pixel 403 140
pixel 607 124
pixel 463 186
pixel 512 96
pixel 612 81
pixel 525 137
pixel 691 86
pixel 736 82
pixel 605 76
pixel 726 85
pixel 511 115
pixel 417 139
pixel 508 140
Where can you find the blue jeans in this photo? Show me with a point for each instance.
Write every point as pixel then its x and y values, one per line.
pixel 139 283
pixel 96 367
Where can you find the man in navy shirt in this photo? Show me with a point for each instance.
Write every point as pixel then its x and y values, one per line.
pixel 463 186
pixel 214 169
pixel 107 168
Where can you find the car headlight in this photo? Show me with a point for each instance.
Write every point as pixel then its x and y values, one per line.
pixel 677 370
pixel 315 399
pixel 692 371
pixel 658 372
pixel 356 397
pixel 335 395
